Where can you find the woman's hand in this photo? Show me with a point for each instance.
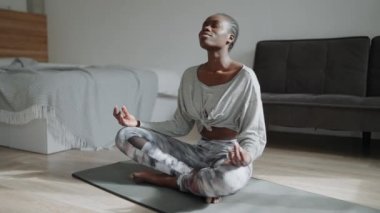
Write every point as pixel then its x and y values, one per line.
pixel 124 117
pixel 238 156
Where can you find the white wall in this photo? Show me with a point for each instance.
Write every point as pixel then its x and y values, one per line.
pixel 17 5
pixel 163 33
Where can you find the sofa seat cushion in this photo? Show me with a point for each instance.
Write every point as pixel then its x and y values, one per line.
pixel 336 101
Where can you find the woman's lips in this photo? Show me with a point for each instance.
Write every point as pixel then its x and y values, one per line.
pixel 204 35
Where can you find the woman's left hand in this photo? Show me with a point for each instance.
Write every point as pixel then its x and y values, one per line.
pixel 238 156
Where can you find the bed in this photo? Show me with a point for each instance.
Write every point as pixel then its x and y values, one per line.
pixel 47 107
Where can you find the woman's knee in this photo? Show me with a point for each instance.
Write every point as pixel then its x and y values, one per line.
pixel 213 183
pixel 124 134
pixel 236 179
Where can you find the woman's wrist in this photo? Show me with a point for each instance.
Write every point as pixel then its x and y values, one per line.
pixel 247 157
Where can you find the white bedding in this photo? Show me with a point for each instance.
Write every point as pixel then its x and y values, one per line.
pixel 75 101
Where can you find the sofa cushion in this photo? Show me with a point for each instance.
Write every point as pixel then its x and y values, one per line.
pixel 342 118
pixel 335 112
pixel 316 66
pixel 374 68
pixel 336 101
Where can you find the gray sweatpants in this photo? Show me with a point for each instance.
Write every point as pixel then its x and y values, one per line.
pixel 199 168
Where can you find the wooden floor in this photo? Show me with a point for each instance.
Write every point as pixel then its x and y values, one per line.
pixel 324 165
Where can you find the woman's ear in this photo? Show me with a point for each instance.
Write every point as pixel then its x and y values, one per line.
pixel 231 39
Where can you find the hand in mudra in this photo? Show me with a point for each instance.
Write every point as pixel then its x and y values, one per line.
pixel 238 156
pixel 124 117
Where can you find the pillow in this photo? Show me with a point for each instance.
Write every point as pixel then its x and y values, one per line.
pixel 17 62
pixel 6 61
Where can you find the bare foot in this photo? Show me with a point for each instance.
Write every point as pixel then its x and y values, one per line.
pixel 213 200
pixel 141 177
pixel 155 178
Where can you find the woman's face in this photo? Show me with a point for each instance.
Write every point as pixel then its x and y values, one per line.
pixel 215 33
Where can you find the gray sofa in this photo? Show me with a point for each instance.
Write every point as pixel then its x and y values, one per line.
pixel 321 83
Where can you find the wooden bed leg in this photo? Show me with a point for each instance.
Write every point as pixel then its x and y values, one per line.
pixel 366 139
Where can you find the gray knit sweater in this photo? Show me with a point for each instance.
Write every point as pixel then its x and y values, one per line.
pixel 235 105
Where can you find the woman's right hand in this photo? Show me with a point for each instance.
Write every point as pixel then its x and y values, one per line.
pixel 238 156
pixel 124 117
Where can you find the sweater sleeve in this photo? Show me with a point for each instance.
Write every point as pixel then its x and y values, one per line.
pixel 252 134
pixel 180 125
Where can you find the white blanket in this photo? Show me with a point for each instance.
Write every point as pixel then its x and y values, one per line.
pixel 77 102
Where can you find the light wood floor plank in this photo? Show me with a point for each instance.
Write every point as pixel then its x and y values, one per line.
pixel 43 183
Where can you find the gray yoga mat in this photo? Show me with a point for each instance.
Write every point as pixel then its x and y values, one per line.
pixel 258 196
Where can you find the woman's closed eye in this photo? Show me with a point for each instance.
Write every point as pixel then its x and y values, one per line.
pixel 212 24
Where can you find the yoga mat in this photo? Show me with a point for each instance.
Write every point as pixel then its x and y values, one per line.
pixel 258 196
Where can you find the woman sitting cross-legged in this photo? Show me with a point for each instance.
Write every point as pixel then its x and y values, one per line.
pixel 222 98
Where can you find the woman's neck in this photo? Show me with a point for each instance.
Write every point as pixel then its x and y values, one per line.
pixel 218 61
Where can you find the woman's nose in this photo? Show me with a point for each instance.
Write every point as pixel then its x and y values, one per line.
pixel 206 28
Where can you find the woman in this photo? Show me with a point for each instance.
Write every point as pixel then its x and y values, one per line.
pixel 222 97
